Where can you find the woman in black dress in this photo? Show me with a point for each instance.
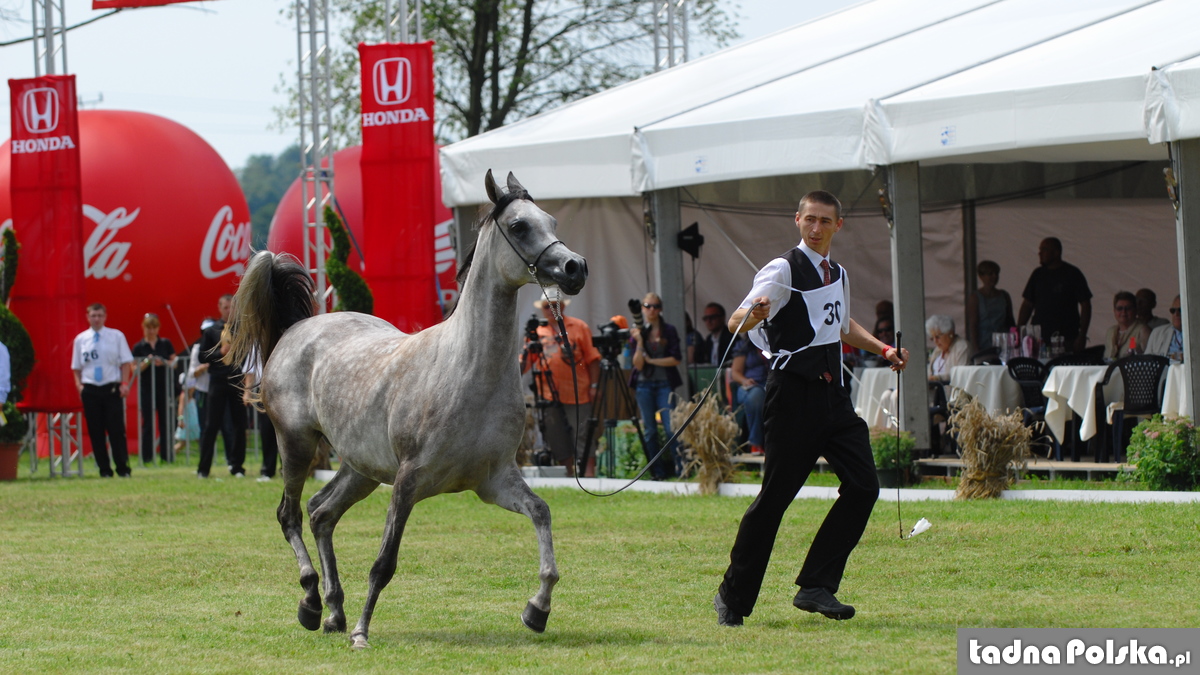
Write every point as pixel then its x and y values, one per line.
pixel 154 359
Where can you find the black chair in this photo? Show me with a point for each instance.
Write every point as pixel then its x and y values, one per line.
pixel 1030 374
pixel 1143 376
pixel 986 357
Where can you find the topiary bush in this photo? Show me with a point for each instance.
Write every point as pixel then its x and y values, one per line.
pixel 12 332
pixel 353 293
pixel 1165 453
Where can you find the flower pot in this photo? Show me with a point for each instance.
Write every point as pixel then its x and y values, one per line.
pixel 10 453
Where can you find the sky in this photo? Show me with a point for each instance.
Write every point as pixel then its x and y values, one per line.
pixel 216 67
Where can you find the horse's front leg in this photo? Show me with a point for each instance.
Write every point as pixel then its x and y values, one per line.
pixel 511 492
pixel 403 498
pixel 325 509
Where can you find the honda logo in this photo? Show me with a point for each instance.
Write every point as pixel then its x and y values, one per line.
pixel 40 107
pixel 393 81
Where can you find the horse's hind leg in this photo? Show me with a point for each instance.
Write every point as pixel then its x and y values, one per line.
pixel 325 509
pixel 511 492
pixel 403 498
pixel 296 452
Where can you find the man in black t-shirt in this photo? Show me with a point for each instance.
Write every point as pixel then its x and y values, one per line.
pixel 1057 297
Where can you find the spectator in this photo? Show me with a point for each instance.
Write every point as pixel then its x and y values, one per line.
pixel 884 309
pixel 223 396
pixel 694 339
pixel 655 376
pixel 749 371
pixel 1057 298
pixel 949 350
pixel 569 444
pixel 1168 340
pixel 5 373
pixel 154 355
pixel 885 332
pixel 266 429
pixel 103 367
pixel 1147 300
pixel 989 309
pixel 1129 335
pixel 719 337
pixel 199 379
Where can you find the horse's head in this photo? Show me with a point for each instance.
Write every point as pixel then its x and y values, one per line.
pixel 532 242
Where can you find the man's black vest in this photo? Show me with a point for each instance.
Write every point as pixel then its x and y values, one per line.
pixel 791 328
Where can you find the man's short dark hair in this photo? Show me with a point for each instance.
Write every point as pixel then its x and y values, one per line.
pixel 717 306
pixel 96 306
pixel 1054 241
pixel 227 296
pixel 821 197
pixel 1126 296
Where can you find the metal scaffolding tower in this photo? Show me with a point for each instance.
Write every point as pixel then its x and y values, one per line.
pixel 670 33
pixel 400 21
pixel 49 38
pixel 316 131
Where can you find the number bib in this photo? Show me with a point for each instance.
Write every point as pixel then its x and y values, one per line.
pixel 827 314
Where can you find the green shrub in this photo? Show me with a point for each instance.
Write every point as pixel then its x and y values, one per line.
pixel 1165 453
pixel 12 332
pixel 629 457
pixel 883 447
pixel 16 427
pixel 353 293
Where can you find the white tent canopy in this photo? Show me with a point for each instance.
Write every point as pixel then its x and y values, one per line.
pixel 1172 110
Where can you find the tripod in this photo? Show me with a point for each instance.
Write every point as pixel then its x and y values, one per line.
pixel 540 376
pixel 610 376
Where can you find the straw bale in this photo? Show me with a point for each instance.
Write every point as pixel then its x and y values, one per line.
pixel 993 447
pixel 711 436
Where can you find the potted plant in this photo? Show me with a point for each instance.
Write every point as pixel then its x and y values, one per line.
pixel 892 450
pixel 12 435
pixel 1165 453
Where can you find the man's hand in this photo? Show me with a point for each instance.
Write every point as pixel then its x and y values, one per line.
pixel 246 397
pixel 898 358
pixel 124 389
pixel 763 310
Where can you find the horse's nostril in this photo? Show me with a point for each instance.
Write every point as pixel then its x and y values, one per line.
pixel 571 268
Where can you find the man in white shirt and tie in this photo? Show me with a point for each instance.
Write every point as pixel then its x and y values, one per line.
pixel 103 368
pixel 797 311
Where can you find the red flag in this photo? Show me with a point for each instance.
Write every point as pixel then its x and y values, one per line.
pixel 118 4
pixel 397 176
pixel 48 218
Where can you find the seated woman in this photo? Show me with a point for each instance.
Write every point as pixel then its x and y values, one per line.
pixel 1129 336
pixel 949 350
pixel 656 355
pixel 749 371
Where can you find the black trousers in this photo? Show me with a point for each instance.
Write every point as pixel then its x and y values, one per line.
pixel 222 396
pixel 151 407
pixel 226 423
pixel 270 444
pixel 804 420
pixel 104 410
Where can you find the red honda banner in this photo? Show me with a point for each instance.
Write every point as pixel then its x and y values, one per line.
pixel 397 182
pixel 118 4
pixel 48 218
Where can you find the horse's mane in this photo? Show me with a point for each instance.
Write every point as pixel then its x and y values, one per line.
pixel 488 218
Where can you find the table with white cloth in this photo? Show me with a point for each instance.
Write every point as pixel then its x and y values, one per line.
pixel 1175 394
pixel 874 386
pixel 992 386
pixel 1073 388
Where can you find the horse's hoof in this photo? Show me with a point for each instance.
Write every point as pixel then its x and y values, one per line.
pixel 359 642
pixel 309 618
pixel 534 618
pixel 333 625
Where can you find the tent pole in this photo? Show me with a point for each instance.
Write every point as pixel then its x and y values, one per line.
pixel 463 232
pixel 1186 154
pixel 668 258
pixel 970 261
pixel 908 284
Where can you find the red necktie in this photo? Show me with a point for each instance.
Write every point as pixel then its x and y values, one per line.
pixel 825 269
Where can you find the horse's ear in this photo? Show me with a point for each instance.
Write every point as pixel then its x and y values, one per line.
pixel 489 184
pixel 513 184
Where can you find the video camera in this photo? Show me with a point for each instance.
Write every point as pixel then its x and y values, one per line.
pixel 531 326
pixel 611 340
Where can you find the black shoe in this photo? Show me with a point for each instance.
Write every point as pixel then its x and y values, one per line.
pixel 822 601
pixel 725 616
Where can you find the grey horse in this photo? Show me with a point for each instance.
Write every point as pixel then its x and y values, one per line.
pixel 438 411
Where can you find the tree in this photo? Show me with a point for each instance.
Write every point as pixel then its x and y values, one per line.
pixel 264 179
pixel 497 61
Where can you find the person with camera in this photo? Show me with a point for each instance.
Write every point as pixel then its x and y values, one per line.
pixel 569 399
pixel 656 355
pixel 798 311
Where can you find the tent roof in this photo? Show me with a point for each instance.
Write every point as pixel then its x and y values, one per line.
pixel 881 82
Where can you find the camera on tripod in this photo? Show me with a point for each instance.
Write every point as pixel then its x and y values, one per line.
pixel 611 340
pixel 531 326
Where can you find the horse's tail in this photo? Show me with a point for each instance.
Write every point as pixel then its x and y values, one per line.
pixel 274 294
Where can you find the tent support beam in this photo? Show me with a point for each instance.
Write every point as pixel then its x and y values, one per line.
pixel 970 260
pixel 1186 154
pixel 668 258
pixel 463 234
pixel 908 284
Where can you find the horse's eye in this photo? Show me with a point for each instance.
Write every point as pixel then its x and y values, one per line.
pixel 518 226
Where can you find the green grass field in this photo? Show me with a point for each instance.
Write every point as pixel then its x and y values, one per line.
pixel 167 573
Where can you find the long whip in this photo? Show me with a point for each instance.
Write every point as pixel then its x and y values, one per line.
pixel 922 524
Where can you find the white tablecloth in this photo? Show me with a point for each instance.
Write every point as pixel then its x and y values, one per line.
pixel 1074 388
pixel 1175 397
pixel 991 385
pixel 875 384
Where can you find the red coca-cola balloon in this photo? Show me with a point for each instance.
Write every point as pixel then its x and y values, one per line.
pixel 287 231
pixel 165 225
